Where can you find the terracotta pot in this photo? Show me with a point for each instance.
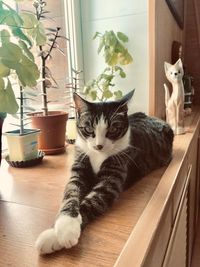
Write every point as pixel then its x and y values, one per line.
pixel 1 126
pixel 53 128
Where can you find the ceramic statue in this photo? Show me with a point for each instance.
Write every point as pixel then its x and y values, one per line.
pixel 175 102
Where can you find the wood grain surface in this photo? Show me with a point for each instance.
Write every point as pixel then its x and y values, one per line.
pixel 29 200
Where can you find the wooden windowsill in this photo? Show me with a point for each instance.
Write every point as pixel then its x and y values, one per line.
pixel 30 199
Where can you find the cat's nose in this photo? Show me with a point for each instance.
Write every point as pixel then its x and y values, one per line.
pixel 175 73
pixel 98 147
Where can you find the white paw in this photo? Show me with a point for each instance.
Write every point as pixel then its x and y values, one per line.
pixel 68 230
pixel 47 242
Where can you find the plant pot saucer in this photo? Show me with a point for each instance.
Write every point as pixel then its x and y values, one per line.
pixel 54 151
pixel 26 163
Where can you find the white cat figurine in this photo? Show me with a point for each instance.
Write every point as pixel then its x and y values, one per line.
pixel 175 102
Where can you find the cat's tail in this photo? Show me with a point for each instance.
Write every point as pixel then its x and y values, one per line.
pixel 167 94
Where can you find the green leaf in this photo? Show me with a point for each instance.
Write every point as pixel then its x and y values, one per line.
pixel 35 28
pixel 10 17
pixel 101 45
pixel 114 50
pixel 118 94
pixel 26 50
pixel 2 83
pixel 29 20
pixel 107 69
pixel 11 52
pixel 93 95
pixel 111 59
pixel 96 35
pixel 3 115
pixel 107 77
pixel 40 34
pixel 122 37
pixel 5 36
pixel 19 33
pixel 122 74
pixel 4 71
pixel 124 58
pixel 8 100
pixel 87 89
pixel 107 94
pixel 27 72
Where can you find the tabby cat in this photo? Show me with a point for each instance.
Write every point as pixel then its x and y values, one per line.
pixel 112 151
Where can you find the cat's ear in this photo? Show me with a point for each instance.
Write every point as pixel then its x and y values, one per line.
pixel 123 103
pixel 80 103
pixel 127 97
pixel 167 66
pixel 179 63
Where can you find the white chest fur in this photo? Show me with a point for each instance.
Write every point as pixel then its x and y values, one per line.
pixel 96 159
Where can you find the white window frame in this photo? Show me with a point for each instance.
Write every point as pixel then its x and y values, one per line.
pixel 73 32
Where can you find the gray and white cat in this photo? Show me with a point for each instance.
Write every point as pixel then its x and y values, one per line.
pixel 112 151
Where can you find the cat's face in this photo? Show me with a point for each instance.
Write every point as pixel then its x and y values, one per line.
pixel 174 72
pixel 102 125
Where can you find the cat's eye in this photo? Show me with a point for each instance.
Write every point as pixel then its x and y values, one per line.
pixel 112 129
pixel 89 129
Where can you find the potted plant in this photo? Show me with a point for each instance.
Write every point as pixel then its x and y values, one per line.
pixel 17 66
pixel 51 123
pixel 23 142
pixel 116 55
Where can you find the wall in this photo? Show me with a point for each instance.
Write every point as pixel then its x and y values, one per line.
pixel 129 17
pixel 166 31
pixel 192 44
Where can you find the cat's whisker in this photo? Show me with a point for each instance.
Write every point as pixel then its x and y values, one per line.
pixel 130 159
pixel 123 153
pixel 118 108
pixel 83 156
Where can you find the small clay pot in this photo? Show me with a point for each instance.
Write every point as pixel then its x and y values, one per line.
pixel 53 129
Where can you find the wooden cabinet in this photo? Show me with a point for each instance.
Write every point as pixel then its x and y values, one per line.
pixel 184 205
pixel 176 254
pixel 192 202
pixel 171 243
pixel 164 235
pixel 197 184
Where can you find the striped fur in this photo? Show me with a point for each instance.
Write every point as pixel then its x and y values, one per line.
pixel 112 151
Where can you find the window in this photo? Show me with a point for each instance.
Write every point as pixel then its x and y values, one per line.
pixel 62 14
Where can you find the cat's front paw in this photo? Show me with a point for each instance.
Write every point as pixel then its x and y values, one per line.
pixel 47 242
pixel 68 230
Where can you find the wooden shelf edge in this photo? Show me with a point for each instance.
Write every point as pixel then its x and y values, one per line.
pixel 141 237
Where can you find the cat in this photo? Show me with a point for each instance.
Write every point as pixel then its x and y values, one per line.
pixel 112 151
pixel 175 103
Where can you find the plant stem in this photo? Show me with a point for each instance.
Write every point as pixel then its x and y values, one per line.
pixel 52 45
pixel 21 110
pixel 43 61
pixel 43 86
